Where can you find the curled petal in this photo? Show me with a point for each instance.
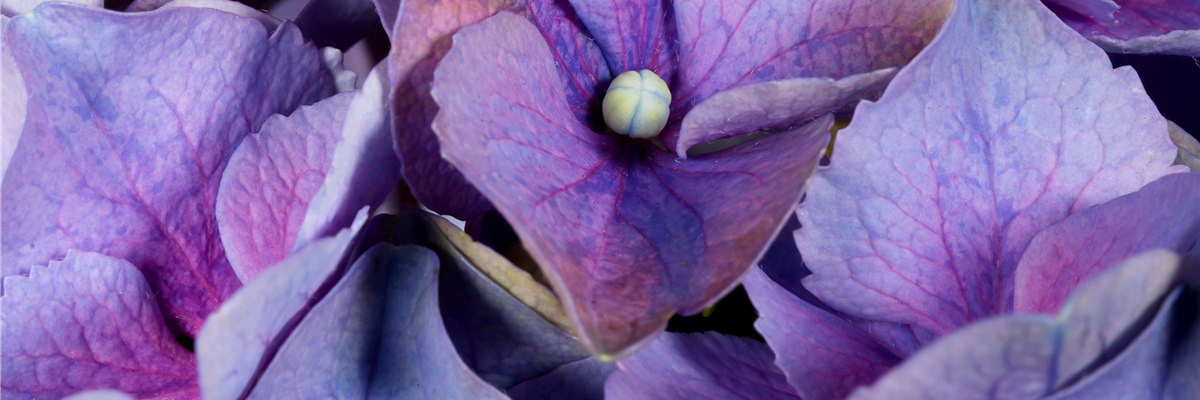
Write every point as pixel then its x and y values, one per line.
pixel 1138 26
pixel 775 105
pixel 724 44
pixel 304 176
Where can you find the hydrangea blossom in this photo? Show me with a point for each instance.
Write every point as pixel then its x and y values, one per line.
pixel 952 200
pixel 629 234
pixel 1005 221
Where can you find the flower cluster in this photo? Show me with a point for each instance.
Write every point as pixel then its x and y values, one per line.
pixel 203 200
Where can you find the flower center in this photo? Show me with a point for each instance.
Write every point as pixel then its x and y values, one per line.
pixel 637 104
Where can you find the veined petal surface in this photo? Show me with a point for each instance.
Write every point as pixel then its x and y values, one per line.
pixel 131 120
pixel 89 322
pixel 1006 123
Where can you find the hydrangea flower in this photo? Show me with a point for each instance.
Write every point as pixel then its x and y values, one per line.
pixel 997 187
pixel 120 171
pixel 189 169
pixel 629 233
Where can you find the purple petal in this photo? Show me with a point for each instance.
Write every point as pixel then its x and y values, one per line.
pixel 783 264
pixel 1137 372
pixel 634 34
pixel 1108 311
pixel 937 189
pixel 823 356
pixel 12 102
pixel 128 133
pixel 241 337
pixel 1163 214
pixel 627 235
pixel 501 339
pixel 580 380
pixel 699 366
pixel 380 332
pixel 416 358
pixel 577 55
pixel 725 44
pixel 422 37
pixel 1184 366
pixel 304 176
pixel 775 105
pixel 1002 358
pixel 1110 342
pixel 89 322
pixel 419 41
pixel 1139 26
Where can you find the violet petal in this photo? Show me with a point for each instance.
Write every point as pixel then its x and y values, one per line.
pixel 1163 214
pixel 1136 373
pixel 242 337
pixel 380 331
pixel 724 44
pixel 699 366
pixel 937 189
pixel 775 105
pixel 498 337
pixel 577 55
pixel 634 34
pixel 128 132
pixel 89 322
pixel 823 356
pixel 1106 313
pixel 1141 26
pixel 965 365
pixel 1110 342
pixel 304 176
pixel 579 380
pixel 422 37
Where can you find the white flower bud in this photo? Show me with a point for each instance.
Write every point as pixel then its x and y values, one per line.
pixel 637 104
